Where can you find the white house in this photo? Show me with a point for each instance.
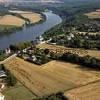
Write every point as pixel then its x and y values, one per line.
pixel 2 96
pixel 34 58
pixel 70 36
pixel 2 74
pixel 8 51
pixel 41 40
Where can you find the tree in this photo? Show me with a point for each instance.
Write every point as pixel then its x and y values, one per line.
pixel 11 80
pixel 46 51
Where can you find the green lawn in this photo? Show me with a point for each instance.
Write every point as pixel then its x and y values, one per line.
pixel 18 92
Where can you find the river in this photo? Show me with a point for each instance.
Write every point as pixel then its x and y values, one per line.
pixel 30 33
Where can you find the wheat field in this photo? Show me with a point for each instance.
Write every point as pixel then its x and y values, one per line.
pixel 49 78
pixel 11 20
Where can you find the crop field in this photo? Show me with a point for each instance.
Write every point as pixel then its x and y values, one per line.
pixel 16 21
pixel 88 92
pixel 33 17
pixel 62 49
pixel 94 14
pixel 11 20
pixel 49 78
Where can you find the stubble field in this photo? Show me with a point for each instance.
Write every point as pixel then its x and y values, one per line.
pixel 50 78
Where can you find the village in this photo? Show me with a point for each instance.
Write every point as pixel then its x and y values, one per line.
pixel 56 55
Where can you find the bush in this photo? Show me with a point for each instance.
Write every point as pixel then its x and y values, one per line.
pixel 11 80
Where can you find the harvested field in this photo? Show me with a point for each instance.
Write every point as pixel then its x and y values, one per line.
pixel 72 72
pixel 88 92
pixel 94 14
pixel 33 17
pixel 62 49
pixel 49 78
pixel 11 20
pixel 39 81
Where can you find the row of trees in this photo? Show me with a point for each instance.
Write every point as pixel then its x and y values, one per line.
pixel 58 96
pixel 87 61
pixel 83 43
pixel 8 29
pixel 10 79
pixel 20 46
pixel 2 55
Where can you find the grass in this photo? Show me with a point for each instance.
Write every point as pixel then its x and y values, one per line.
pixel 50 78
pixel 18 92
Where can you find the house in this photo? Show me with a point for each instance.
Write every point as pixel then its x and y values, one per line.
pixel 2 96
pixel 48 41
pixel 24 50
pixel 70 36
pixel 41 40
pixel 8 51
pixel 34 58
pixel 2 74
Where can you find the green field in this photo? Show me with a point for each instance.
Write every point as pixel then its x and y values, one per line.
pixel 18 92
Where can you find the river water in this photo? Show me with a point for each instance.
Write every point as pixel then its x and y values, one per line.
pixel 30 33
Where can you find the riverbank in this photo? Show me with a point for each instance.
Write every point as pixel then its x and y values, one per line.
pixel 17 20
pixel 8 29
pixel 30 33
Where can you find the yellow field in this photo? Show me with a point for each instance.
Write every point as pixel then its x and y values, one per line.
pixel 88 92
pixel 72 72
pixel 50 78
pixel 16 21
pixel 62 49
pixel 33 17
pixel 94 14
pixel 11 20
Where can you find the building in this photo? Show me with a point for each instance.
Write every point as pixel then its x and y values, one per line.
pixel 70 36
pixel 2 97
pixel 8 51
pixel 2 74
